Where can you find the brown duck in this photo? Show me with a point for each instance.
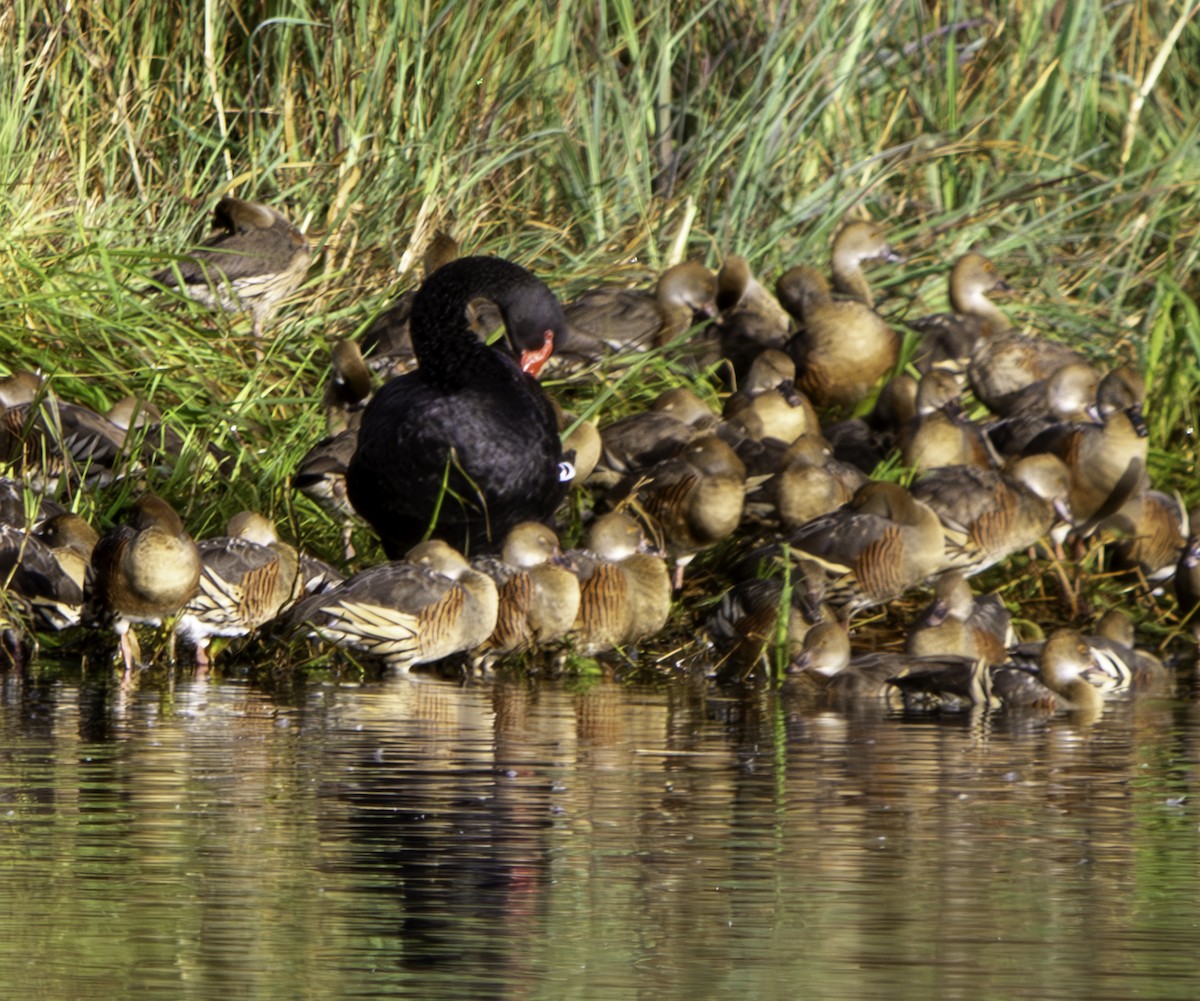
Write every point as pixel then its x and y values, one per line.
pixel 1151 529
pixel 948 340
pixel 748 617
pixel 145 571
pixel 844 347
pixel 749 317
pixel 247 578
pixel 44 439
pixel 1006 361
pixel 959 623
pixel 349 387
pixel 414 611
pixel 321 477
pixel 624 589
pixel 254 261
pixel 1067 396
pixel 321 473
pixel 1067 665
pixel 810 482
pixel 538 595
pixel 676 418
pixel 770 370
pixel 769 407
pixel 615 319
pixel 940 434
pixel 882 543
pixel 989 514
pixel 48 570
pixel 696 499
pixel 844 679
pixel 1107 461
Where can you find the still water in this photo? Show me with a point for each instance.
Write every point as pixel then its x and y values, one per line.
pixel 419 839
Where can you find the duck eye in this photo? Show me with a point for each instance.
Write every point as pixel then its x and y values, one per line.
pixel 566 471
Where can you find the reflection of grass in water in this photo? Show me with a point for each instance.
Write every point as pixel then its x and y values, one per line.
pixel 592 144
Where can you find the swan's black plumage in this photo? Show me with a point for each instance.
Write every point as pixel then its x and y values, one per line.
pixel 468 418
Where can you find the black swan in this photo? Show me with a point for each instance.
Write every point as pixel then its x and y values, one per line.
pixel 466 446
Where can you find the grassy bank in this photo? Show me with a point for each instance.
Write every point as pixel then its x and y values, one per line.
pixel 589 141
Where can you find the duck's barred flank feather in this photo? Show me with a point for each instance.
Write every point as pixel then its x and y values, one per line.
pixel 877 569
pixel 667 506
pixel 249 601
pixel 260 589
pixel 995 532
pixel 438 620
pixel 512 622
pixel 600 599
pixel 603 608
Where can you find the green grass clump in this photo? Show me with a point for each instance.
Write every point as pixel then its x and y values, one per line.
pixel 591 142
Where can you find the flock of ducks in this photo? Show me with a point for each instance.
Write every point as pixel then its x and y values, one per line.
pixel 461 462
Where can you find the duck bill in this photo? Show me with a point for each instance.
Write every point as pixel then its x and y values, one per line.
pixel 791 395
pixel 532 361
pixel 800 663
pixel 1138 421
pixel 649 548
pixel 1063 509
pixel 937 613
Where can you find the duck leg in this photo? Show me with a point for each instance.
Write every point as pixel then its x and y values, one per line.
pixel 131 651
pixel 203 661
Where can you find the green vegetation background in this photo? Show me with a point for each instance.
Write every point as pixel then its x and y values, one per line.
pixel 591 141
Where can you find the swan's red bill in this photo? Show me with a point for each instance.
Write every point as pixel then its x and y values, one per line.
pixel 532 361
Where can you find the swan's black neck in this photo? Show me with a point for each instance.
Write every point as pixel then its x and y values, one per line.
pixel 449 354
